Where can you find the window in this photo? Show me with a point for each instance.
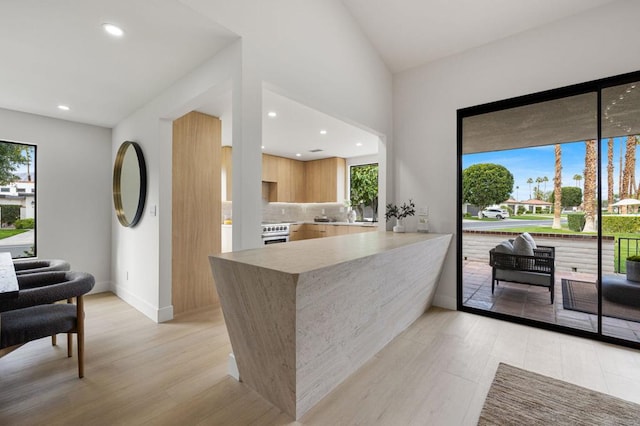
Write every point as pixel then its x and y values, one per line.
pixel 17 209
pixel 363 191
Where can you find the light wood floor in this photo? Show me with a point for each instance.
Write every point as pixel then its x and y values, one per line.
pixel 436 373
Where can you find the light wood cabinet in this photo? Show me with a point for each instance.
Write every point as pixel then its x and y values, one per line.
pixel 197 213
pixel 295 233
pixel 325 180
pixel 297 178
pixel 269 168
pixel 227 173
pixel 354 229
pixel 315 230
pixel 292 181
pixel 334 230
pixel 283 179
pixel 306 231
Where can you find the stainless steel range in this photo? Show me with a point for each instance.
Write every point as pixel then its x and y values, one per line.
pixel 273 233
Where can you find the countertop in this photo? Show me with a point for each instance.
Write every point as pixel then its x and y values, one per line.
pixel 297 257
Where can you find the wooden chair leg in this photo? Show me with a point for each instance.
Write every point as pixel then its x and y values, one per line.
pixel 54 340
pixel 80 335
pixel 69 339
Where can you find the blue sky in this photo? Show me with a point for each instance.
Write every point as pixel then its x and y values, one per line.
pixel 540 161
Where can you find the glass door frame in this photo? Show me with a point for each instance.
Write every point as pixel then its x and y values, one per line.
pixel 595 86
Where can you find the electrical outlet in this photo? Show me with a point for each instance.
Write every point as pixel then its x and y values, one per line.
pixel 322 211
pixel 282 211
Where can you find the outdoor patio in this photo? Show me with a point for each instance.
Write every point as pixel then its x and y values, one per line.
pixel 534 302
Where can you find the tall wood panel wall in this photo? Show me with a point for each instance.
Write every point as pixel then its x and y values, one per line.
pixel 196 205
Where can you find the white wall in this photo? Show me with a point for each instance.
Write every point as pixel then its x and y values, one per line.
pixel 141 266
pixel 74 205
pixel 589 46
pixel 310 51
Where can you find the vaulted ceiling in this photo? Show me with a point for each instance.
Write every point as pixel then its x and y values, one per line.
pixel 56 52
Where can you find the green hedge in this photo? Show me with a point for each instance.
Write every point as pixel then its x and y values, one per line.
pixel 25 223
pixel 10 213
pixel 576 221
pixel 620 224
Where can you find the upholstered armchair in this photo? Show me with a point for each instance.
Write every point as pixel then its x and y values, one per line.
pixel 34 314
pixel 32 266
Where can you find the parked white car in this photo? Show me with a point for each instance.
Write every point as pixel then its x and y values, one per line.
pixel 495 213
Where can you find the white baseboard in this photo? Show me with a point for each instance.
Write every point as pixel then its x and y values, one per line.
pixel 153 312
pixel 232 367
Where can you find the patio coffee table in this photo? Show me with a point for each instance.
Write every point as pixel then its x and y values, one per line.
pixel 618 289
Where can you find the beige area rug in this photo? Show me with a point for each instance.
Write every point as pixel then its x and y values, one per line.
pixel 520 397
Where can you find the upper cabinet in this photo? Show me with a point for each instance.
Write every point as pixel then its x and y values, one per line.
pixel 297 179
pixel 325 180
pixel 269 168
pixel 293 181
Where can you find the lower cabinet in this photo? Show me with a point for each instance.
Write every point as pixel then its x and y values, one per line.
pixel 295 232
pixel 306 231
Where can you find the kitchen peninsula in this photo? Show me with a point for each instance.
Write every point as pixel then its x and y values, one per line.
pixel 303 316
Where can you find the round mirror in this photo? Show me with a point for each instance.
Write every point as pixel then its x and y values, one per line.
pixel 129 183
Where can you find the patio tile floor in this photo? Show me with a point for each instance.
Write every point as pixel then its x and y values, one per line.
pixel 533 302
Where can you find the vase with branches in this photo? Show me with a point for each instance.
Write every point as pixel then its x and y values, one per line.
pixel 400 213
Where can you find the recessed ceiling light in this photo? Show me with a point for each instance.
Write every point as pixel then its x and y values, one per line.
pixel 272 114
pixel 359 144
pixel 298 155
pixel 323 132
pixel 64 107
pixel 262 146
pixel 114 30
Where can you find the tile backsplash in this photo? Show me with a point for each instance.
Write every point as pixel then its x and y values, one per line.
pixel 293 212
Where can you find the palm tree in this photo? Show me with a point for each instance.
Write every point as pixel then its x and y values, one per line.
pixel 557 189
pixel 577 178
pixel 529 181
pixel 545 180
pixel 629 171
pixel 590 187
pixel 537 191
pixel 610 175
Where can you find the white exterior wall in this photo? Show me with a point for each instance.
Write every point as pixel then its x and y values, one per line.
pixel 72 159
pixel 595 44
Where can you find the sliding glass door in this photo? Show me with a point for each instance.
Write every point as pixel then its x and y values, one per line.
pixel 549 209
pixel 620 211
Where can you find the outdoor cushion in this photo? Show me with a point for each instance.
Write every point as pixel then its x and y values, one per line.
pixel 522 247
pixel 504 247
pixel 530 239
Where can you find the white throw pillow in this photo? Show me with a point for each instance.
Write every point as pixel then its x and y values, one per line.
pixel 505 247
pixel 529 238
pixel 522 247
